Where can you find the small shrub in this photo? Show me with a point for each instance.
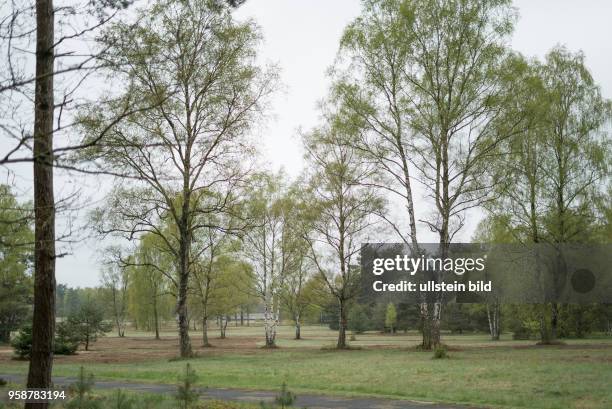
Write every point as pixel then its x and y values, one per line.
pixel 66 339
pixel 185 395
pixel 358 320
pixel 440 352
pixel 87 323
pixel 3 382
pixel 285 398
pixel 22 343
pixel 81 390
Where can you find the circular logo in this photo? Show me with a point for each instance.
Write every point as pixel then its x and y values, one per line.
pixel 583 280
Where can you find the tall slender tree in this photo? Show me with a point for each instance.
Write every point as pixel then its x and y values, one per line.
pixel 342 213
pixel 269 245
pixel 429 94
pixel 43 320
pixel 197 66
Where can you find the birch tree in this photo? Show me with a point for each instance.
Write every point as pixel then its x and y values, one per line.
pixel 427 88
pixel 181 158
pixel 295 294
pixel 210 281
pixel 374 92
pixel 149 289
pixel 458 53
pixel 268 246
pixel 116 280
pixel 341 213
pixel 553 172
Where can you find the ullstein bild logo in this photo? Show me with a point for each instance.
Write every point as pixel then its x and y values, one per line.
pixel 475 272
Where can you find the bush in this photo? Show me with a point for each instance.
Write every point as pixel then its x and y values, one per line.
pixel 522 334
pixel 358 320
pixel 81 390
pixel 22 343
pixel 185 395
pixel 87 323
pixel 285 398
pixel 3 382
pixel 66 341
pixel 391 318
pixel 440 352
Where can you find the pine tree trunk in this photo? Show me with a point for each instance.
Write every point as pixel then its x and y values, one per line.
pixel 43 320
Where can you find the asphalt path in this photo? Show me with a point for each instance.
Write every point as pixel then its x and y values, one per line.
pixel 310 401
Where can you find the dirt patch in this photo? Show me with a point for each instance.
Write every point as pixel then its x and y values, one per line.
pixel 110 350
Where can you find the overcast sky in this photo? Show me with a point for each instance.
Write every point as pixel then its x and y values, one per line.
pixel 302 36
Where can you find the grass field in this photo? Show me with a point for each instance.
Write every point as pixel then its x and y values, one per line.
pixel 504 374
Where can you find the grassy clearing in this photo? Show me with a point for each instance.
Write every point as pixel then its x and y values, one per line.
pixel 508 374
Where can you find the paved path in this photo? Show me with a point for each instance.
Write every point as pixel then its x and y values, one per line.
pixel 309 401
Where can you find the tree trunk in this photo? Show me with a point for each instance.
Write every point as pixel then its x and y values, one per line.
pixel 120 330
pixel 155 317
pixel 298 326
pixel 43 320
pixel 5 336
pixel 223 326
pixel 183 323
pixel 545 333
pixel 205 341
pixel 269 322
pixel 435 324
pixel 342 326
pixel 554 321
pixel 425 327
pixel 493 318
pixel 181 301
